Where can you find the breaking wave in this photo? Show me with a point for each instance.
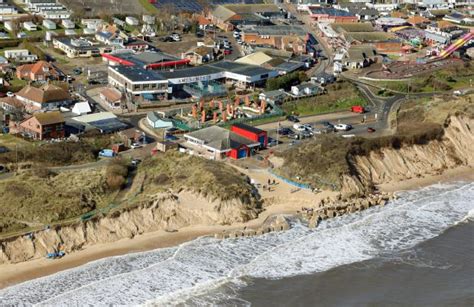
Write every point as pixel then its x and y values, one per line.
pixel 206 269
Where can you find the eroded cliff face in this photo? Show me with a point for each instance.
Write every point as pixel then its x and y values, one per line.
pixel 387 165
pixel 164 211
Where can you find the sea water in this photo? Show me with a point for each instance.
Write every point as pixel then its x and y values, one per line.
pixel 378 256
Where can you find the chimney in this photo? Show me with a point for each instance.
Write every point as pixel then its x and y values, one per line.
pixel 203 116
pixel 194 111
pixel 214 117
pixel 224 116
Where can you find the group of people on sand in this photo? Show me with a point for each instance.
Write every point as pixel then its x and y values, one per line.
pixel 269 184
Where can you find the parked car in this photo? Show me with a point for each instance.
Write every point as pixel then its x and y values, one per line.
pixel 227 51
pixel 370 130
pixel 299 127
pixel 308 127
pixel 10 94
pixel 176 37
pixel 136 145
pixel 77 71
pixel 135 162
pixel 327 125
pixel 342 127
pixel 284 131
pixel 107 153
pixel 293 119
pixel 358 109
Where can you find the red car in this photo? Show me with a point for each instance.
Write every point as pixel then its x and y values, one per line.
pixel 357 109
pixel 227 51
pixel 370 130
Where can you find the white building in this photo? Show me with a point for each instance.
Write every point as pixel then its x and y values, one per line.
pixel 68 24
pixel 8 25
pixel 20 55
pixel 29 26
pixel 7 9
pixel 149 19
pixel 70 32
pixel 137 81
pixel 132 21
pixel 49 24
pixel 49 9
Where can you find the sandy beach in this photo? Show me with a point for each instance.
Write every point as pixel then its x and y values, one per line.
pixel 286 201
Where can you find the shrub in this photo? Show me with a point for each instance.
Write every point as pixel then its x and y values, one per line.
pixel 116 174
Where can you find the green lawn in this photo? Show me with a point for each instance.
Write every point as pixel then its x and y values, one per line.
pixel 149 7
pixel 340 96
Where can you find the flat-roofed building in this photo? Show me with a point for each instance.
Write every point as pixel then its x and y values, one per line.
pixel 137 81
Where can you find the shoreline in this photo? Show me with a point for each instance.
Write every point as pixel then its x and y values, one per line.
pixel 12 274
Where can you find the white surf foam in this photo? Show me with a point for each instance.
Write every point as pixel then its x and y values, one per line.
pixel 173 275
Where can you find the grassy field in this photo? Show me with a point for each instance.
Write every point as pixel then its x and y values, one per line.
pixel 339 96
pixel 30 153
pixel 37 198
pixel 174 170
pixel 447 79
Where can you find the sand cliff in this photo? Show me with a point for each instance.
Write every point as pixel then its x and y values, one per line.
pixel 393 165
pixel 172 211
pixel 164 211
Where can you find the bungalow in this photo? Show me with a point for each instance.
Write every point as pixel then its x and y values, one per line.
pixel 30 26
pixel 112 97
pixel 359 56
pixel 200 55
pixel 20 55
pixel 49 24
pixel 218 143
pixel 131 21
pixel 42 126
pixel 8 25
pixel 158 122
pixel 275 97
pixel 40 71
pixel 68 24
pixel 11 104
pixel 46 97
pixel 305 89
pixel 149 19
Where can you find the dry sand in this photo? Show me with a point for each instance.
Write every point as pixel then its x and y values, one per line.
pixel 283 198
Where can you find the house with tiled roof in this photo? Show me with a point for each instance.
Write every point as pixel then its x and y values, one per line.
pixel 43 126
pixel 11 104
pixel 200 55
pixel 47 97
pixel 39 71
pixel 418 20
